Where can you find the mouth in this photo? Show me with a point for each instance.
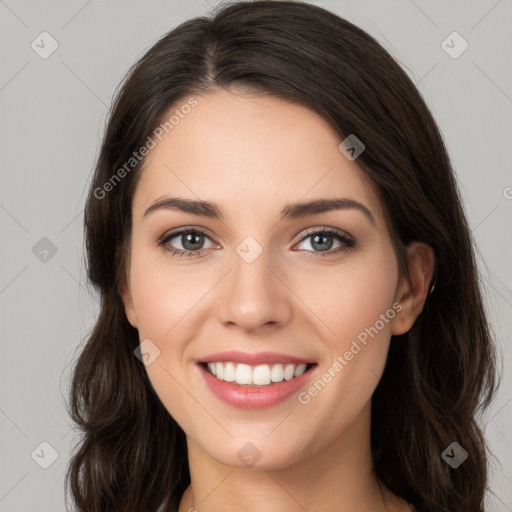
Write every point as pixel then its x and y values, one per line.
pixel 254 380
pixel 255 387
pixel 255 376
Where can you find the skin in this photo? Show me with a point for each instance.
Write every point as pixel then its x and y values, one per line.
pixel 252 155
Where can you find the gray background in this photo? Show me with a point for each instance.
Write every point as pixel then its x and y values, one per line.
pixel 53 114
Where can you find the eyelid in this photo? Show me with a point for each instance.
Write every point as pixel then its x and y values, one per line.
pixel 205 231
pixel 326 229
pixel 173 233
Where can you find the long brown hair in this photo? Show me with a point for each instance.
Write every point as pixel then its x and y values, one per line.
pixel 439 376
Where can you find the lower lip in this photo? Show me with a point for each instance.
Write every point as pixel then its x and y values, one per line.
pixel 248 397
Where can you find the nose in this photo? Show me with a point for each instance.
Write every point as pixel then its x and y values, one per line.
pixel 254 296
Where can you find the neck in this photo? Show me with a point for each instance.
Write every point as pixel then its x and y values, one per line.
pixel 336 477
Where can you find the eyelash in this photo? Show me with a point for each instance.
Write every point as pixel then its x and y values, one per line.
pixel 348 243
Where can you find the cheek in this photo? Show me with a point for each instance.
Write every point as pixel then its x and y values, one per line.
pixel 163 299
pixel 355 307
pixel 162 294
pixel 349 299
pixel 368 303
pixel 368 327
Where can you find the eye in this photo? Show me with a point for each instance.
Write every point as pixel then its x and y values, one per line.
pixel 321 242
pixel 191 239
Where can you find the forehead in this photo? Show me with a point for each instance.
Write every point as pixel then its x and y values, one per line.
pixel 251 154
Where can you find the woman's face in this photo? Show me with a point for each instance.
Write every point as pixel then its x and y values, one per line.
pixel 264 277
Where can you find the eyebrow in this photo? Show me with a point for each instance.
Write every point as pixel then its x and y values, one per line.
pixel 293 210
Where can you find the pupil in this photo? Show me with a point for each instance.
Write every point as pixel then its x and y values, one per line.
pixel 189 240
pixel 323 237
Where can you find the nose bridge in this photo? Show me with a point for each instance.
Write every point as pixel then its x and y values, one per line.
pixel 251 266
pixel 253 296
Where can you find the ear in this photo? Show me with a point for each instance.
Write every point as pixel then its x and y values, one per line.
pixel 421 262
pixel 126 297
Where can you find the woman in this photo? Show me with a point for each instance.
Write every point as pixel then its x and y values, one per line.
pixel 237 363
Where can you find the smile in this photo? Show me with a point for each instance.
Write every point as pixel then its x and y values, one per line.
pixel 255 387
pixel 261 375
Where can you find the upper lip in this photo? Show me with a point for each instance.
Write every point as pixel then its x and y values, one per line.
pixel 253 359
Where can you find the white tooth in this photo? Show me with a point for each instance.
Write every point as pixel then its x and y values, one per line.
pixel 288 371
pixel 300 370
pixel 229 372
pixel 277 373
pixel 213 368
pixel 220 370
pixel 243 374
pixel 261 375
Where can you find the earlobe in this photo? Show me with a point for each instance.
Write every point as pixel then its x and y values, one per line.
pixel 129 309
pixel 412 295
